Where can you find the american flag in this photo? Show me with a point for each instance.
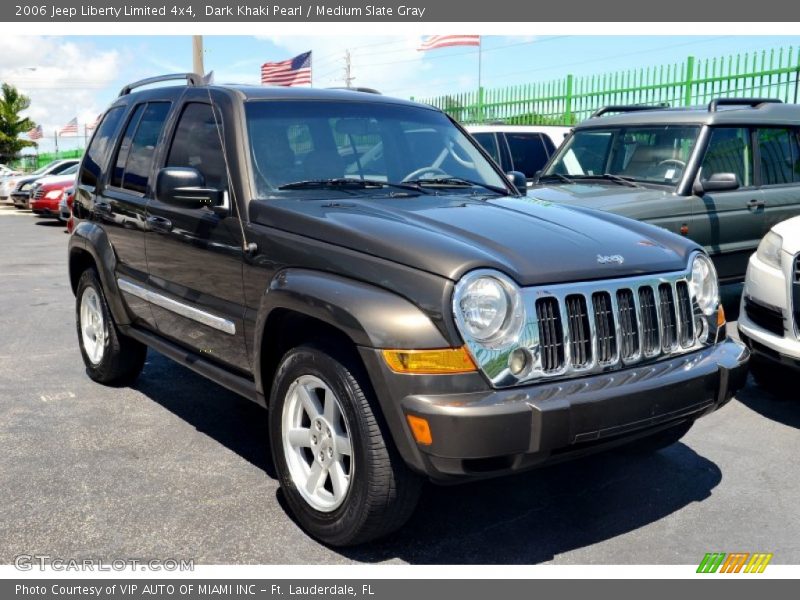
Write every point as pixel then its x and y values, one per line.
pixel 444 41
pixel 36 133
pixel 95 123
pixel 294 71
pixel 70 128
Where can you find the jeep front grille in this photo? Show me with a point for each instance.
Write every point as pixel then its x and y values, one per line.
pixel 591 327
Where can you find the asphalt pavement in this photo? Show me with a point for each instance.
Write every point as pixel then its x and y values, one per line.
pixel 177 467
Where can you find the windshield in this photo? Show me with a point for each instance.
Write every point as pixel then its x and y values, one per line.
pixel 299 142
pixel 650 154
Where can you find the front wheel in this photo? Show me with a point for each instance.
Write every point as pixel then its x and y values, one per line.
pixel 110 357
pixel 342 480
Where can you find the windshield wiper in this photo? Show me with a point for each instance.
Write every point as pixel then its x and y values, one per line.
pixel 626 181
pixel 456 182
pixel 558 176
pixel 345 182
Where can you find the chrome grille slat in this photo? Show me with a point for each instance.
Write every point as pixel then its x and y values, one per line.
pixel 651 324
pixel 628 324
pixel 606 328
pixel 578 333
pixel 666 310
pixel 551 334
pixel 685 317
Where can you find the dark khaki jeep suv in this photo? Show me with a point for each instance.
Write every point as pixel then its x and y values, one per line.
pixel 358 265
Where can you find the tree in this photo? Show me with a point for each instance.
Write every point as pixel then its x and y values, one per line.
pixel 12 102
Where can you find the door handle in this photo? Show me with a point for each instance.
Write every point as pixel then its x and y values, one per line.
pixel 159 223
pixel 755 203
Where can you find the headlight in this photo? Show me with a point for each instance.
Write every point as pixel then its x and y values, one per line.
pixel 488 308
pixel 704 285
pixel 54 194
pixel 769 250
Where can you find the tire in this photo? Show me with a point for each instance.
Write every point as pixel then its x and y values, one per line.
pixel 111 358
pixel 658 441
pixel 772 377
pixel 380 491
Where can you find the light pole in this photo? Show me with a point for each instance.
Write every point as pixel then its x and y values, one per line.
pixel 197 55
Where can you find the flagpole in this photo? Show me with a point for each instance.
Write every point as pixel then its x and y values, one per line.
pixel 56 139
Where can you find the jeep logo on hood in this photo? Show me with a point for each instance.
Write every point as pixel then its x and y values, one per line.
pixel 610 259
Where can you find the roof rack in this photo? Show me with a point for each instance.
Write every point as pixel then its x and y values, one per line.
pixel 192 79
pixel 365 90
pixel 626 108
pixel 751 102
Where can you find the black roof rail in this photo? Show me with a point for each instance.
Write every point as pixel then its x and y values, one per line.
pixel 365 90
pixel 192 79
pixel 751 102
pixel 625 108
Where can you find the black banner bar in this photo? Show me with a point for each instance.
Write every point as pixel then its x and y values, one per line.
pixel 413 11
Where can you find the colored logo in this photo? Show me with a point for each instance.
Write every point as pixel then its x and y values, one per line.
pixel 735 562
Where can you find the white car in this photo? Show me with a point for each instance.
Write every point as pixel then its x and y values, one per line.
pixel 524 148
pixel 769 320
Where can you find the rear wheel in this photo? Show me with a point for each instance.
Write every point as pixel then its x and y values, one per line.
pixel 110 357
pixel 342 480
pixel 658 441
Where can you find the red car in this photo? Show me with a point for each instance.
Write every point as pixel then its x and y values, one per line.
pixel 46 197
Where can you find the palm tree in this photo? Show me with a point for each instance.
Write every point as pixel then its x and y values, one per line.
pixel 12 102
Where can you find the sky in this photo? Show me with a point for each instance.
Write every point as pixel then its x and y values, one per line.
pixel 69 76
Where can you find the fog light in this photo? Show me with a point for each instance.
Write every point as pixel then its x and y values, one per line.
pixel 420 430
pixel 519 361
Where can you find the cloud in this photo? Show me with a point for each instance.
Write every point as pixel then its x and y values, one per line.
pixel 62 77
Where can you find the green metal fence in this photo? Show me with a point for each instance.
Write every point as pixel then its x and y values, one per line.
pixel 773 74
pixel 31 162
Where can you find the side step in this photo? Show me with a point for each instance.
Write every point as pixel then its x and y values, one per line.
pixel 236 383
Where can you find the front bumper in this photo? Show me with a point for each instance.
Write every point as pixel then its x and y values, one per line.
pixel 492 432
pixel 20 200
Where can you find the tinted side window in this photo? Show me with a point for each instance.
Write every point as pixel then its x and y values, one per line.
pixel 197 144
pixel 143 147
pixel 779 156
pixel 527 152
pixel 729 151
pixel 100 147
pixel 125 146
pixel 489 143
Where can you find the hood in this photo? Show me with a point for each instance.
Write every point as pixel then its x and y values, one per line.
pixel 56 180
pixel 599 196
pixel 533 242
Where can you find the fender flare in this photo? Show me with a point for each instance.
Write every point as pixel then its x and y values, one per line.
pixel 368 315
pixel 90 238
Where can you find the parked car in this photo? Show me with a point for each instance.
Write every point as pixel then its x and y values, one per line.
pixel 769 320
pixel 427 321
pixel 20 185
pixel 6 171
pixel 525 148
pixel 722 175
pixel 47 192
pixel 65 207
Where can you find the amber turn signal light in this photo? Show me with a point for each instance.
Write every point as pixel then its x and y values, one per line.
pixel 720 316
pixel 430 362
pixel 420 430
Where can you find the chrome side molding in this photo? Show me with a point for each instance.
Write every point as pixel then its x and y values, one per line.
pixel 179 308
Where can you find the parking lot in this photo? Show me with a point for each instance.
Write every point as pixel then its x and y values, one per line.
pixel 177 467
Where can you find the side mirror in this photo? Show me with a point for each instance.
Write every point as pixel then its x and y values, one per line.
pixel 185 187
pixel 519 181
pixel 718 182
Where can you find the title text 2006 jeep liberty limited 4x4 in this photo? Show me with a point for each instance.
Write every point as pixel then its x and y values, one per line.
pixel 357 265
